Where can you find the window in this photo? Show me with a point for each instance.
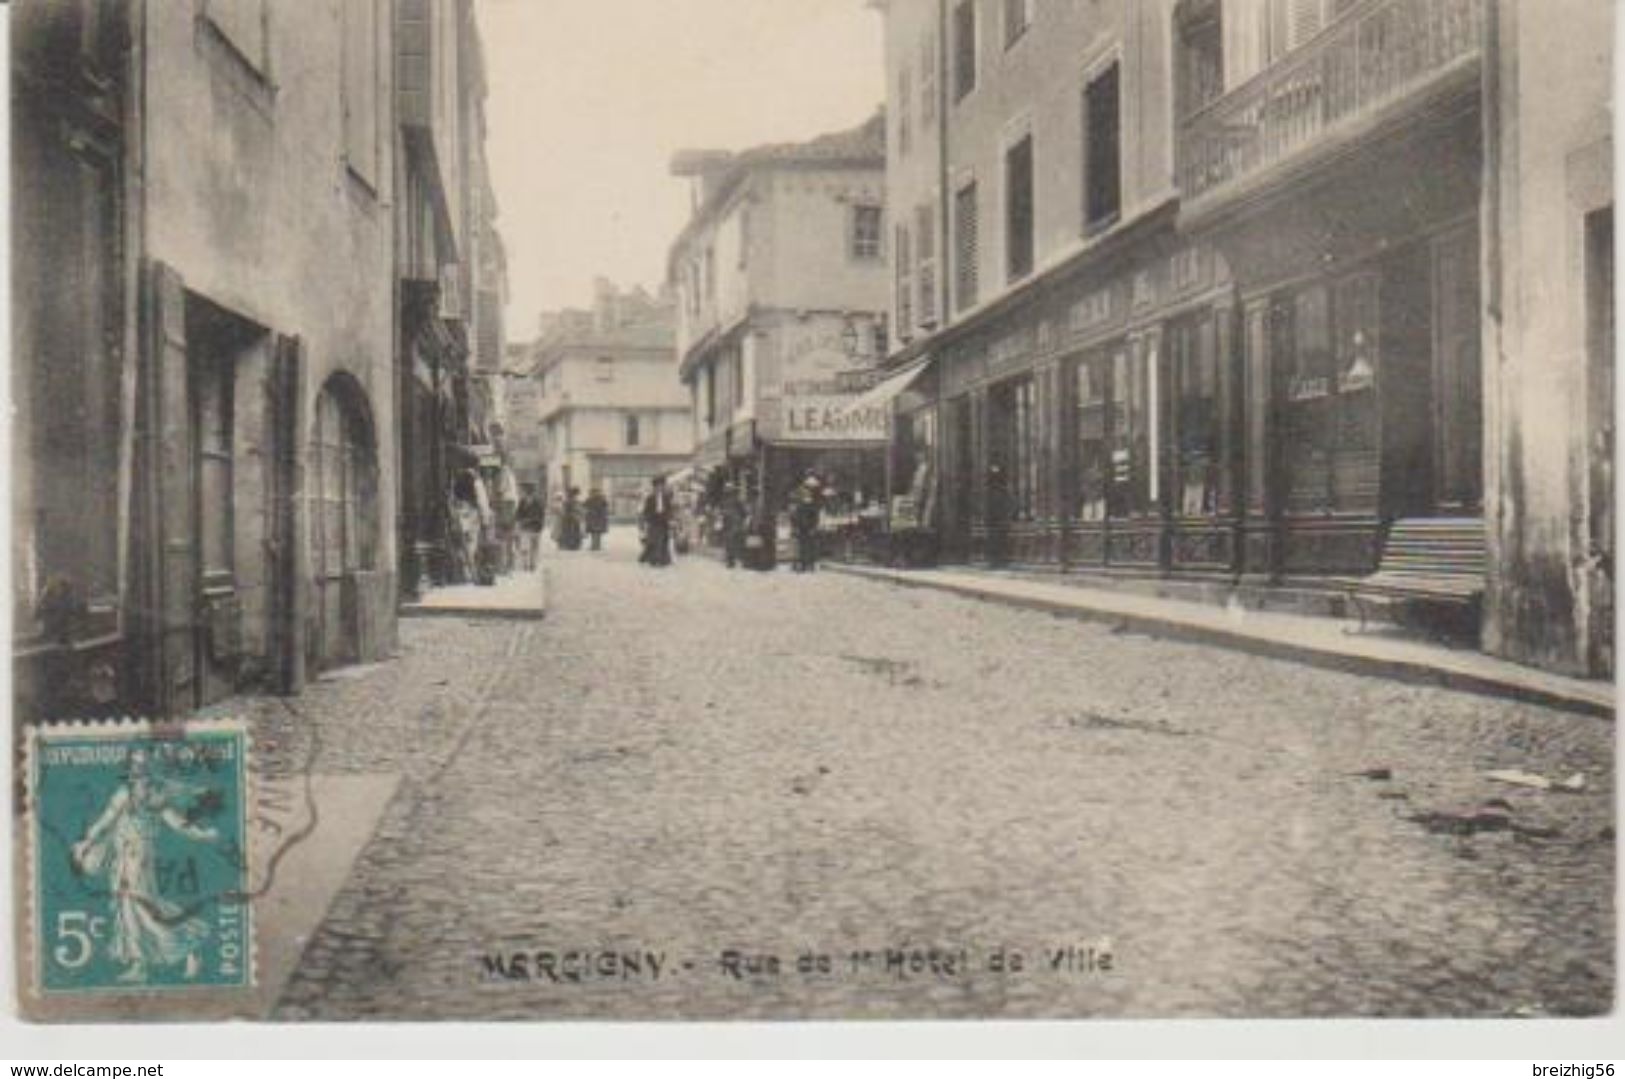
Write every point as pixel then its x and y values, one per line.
pixel 905 286
pixel 603 369
pixel 1102 160
pixel 346 488
pixel 1130 434
pixel 905 93
pixel 964 48
pixel 1193 353
pixel 242 24
pixel 1201 56
pixel 1024 459
pixel 865 232
pixel 1090 433
pixel 360 101
pixel 928 79
pixel 1018 209
pixel 965 247
pixel 736 379
pixel 925 227
pixel 632 435
pixel 212 409
pixel 1018 15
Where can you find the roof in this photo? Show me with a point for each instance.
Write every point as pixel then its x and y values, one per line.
pixel 863 146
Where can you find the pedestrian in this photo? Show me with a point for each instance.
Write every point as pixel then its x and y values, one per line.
pixel 464 514
pixel 656 521
pixel 998 516
pixel 531 517
pixel 806 502
pixel 570 521
pixel 505 497
pixel 731 512
pixel 596 509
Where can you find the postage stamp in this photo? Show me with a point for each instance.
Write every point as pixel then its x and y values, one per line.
pixel 139 857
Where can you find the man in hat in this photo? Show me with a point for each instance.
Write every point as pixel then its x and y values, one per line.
pixel 806 502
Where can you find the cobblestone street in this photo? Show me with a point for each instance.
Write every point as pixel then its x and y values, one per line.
pixel 681 763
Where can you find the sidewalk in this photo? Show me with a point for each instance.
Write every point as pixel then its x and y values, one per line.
pixel 1323 642
pixel 519 595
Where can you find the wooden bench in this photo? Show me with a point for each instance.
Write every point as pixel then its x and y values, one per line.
pixel 1437 561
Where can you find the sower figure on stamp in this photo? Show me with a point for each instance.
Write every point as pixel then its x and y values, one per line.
pixel 122 845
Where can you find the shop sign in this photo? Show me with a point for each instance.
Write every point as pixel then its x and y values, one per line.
pixel 1095 309
pixel 826 418
pixel 1012 347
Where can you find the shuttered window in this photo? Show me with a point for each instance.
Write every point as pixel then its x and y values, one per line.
pixel 966 247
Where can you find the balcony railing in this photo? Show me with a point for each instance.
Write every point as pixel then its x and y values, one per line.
pixel 1376 54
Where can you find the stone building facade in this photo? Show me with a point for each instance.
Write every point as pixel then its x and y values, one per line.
pixel 780 277
pixel 607 404
pixel 208 311
pixel 1196 288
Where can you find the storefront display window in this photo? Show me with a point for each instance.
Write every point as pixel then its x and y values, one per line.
pixel 1194 355
pixel 1330 342
pixel 1130 493
pixel 1091 434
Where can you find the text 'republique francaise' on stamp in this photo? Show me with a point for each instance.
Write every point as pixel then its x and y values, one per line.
pixel 139 858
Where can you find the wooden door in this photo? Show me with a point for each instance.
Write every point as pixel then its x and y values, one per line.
pixel 1458 396
pixel 216 628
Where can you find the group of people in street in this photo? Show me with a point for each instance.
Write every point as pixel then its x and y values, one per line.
pixel 576 518
pixel 745 534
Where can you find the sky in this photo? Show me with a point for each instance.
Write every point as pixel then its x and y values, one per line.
pixel 589 99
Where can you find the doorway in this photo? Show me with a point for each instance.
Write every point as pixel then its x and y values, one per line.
pixel 343 471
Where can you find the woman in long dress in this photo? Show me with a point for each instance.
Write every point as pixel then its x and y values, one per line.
pixel 122 845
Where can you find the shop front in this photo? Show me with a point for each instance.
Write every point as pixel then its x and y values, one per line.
pixel 1096 427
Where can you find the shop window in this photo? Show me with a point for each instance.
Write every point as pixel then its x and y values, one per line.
pixel 1024 460
pixel 1018 208
pixel 1326 336
pixel 1102 165
pixel 966 246
pixel 1194 362
pixel 1091 437
pixel 1130 436
pixel 964 48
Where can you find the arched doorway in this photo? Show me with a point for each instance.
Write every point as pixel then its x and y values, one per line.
pixel 343 471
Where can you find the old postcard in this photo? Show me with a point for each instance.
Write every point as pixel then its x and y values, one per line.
pixel 823 509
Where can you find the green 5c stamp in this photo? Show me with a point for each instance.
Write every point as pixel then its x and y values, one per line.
pixel 139 858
